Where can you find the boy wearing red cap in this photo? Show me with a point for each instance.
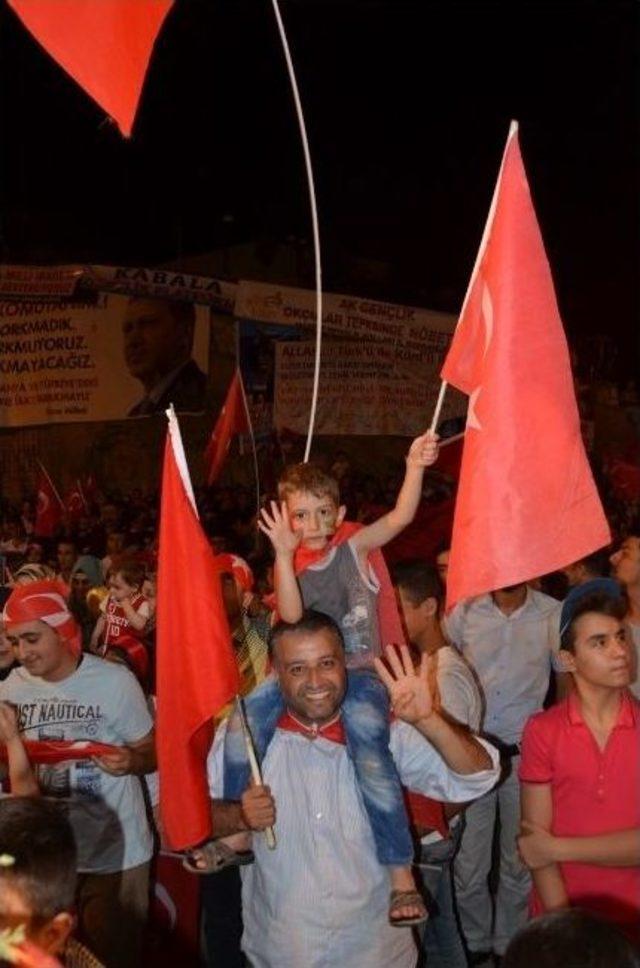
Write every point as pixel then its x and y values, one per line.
pixel 61 694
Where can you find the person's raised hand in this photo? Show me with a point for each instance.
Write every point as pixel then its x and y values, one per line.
pixel 424 450
pixel 8 723
pixel 258 807
pixel 409 690
pixel 277 526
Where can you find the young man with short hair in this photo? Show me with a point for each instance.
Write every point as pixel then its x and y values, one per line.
pixel 580 776
pixel 63 694
pixel 421 596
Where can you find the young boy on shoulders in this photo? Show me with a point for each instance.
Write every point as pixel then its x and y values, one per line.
pixel 312 571
pixel 580 776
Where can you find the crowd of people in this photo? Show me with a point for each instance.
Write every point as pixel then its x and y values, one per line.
pixel 458 789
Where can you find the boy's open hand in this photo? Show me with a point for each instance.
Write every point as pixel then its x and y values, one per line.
pixel 410 692
pixel 278 529
pixel 424 450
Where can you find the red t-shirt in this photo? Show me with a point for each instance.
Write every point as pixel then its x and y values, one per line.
pixel 594 792
pixel 117 626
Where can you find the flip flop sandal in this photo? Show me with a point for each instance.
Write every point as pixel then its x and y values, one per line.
pixel 399 899
pixel 215 857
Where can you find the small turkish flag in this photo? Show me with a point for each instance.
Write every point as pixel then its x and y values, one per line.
pixel 105 45
pixel 49 509
pixel 75 503
pixel 233 419
pixel 527 504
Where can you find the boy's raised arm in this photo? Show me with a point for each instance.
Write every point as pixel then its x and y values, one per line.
pixel 285 541
pixel 422 453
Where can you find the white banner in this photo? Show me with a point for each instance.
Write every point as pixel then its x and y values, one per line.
pixel 380 362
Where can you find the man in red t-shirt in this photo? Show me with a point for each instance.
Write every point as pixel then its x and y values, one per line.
pixel 580 777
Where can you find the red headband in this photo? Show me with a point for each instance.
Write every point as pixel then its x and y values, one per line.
pixel 239 569
pixel 43 601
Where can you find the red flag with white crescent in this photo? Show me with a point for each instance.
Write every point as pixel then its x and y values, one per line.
pixel 527 503
pixel 233 419
pixel 49 509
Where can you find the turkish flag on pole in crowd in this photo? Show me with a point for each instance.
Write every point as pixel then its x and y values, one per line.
pixel 105 45
pixel 196 672
pixel 49 507
pixel 527 503
pixel 233 419
pixel 74 503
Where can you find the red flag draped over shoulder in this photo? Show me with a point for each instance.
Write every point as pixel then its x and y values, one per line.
pixel 105 45
pixel 527 503
pixel 233 419
pixel 197 672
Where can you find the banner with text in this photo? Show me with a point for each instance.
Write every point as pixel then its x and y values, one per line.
pixel 110 357
pixel 380 361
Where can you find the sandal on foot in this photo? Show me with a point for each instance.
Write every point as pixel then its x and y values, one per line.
pixel 400 899
pixel 214 857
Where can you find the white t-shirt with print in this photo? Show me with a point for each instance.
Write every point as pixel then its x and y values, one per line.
pixel 102 702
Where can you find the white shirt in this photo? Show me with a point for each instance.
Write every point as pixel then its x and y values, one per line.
pixel 459 692
pixel 512 656
pixel 101 701
pixel 634 631
pixel 320 899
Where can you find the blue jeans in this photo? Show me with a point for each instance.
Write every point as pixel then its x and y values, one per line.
pixel 365 715
pixel 441 941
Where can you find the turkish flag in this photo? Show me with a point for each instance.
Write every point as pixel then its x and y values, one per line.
pixel 90 489
pixel 527 503
pixel 105 45
pixel 233 419
pixel 196 673
pixel 49 508
pixel 74 503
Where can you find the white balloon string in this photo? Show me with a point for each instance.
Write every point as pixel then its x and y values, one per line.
pixel 314 224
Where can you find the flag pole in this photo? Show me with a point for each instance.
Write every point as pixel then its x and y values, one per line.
pixel 256 774
pixel 513 132
pixel 254 449
pixel 314 223
pixel 51 484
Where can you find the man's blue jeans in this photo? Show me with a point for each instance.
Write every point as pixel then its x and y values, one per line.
pixel 365 716
pixel 441 941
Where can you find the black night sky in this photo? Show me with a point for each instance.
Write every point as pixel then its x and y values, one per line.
pixel 408 106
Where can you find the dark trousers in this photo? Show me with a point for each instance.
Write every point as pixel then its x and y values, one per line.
pixel 222 918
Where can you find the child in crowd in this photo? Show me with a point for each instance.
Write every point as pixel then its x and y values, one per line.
pixel 121 627
pixel 314 570
pixel 37 885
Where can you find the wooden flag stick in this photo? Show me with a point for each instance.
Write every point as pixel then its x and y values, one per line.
pixel 256 775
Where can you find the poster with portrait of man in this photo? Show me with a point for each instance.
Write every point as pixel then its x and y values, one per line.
pixel 110 357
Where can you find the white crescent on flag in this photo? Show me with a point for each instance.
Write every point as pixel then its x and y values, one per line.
pixel 487 317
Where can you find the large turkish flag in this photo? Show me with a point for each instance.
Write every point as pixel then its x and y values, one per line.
pixel 527 503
